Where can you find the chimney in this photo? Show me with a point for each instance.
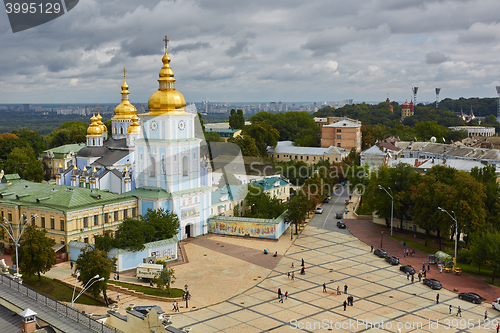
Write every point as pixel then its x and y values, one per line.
pixel 29 320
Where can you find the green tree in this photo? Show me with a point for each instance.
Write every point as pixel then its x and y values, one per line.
pixel 22 160
pixel 247 145
pixel 165 278
pixel 487 177
pixel 236 119
pixel 297 208
pixel 261 204
pixel 264 135
pixel 160 224
pixel 104 242
pixel 92 262
pixel 478 252
pixel 131 234
pixel 68 133
pixel 35 252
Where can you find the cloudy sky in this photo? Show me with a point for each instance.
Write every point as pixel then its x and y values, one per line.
pixel 256 51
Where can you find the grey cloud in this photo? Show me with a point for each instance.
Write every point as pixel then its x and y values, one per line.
pixel 436 58
pixel 239 47
pixel 481 33
pixel 189 47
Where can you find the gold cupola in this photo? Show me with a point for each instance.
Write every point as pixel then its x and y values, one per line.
pixel 134 128
pixel 94 129
pixel 166 98
pixel 124 110
pixel 100 123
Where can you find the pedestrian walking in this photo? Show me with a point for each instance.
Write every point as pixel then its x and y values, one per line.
pixel 293 276
pixel 281 299
pixel 407 275
pixel 412 278
pixel 404 245
pixel 338 290
pixel 419 276
pixel 279 292
pixel 425 273
pixel 345 289
pixel 423 266
pixel 302 262
pixel 292 265
pixel 450 308
pixel 371 248
pixel 118 296
pixel 288 274
pixel 498 328
pixel 437 299
pixel 71 264
pixel 485 315
pixel 286 294
pixel 345 305
pixel 151 283
pixel 174 306
pixel 324 287
pixel 459 311
pixel 114 277
pixel 404 253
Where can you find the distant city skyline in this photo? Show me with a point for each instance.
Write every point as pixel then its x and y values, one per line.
pixel 229 51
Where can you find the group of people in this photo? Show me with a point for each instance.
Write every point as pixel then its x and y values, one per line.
pixel 291 275
pixel 117 277
pixel 407 253
pixel 349 301
pixel 282 296
pixel 175 306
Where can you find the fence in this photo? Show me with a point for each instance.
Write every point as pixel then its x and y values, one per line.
pixel 60 308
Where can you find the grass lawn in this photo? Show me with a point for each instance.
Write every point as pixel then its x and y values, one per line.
pixel 174 293
pixel 57 290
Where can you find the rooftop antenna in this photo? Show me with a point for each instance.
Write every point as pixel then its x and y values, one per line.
pixel 438 90
pixel 498 108
pixel 414 89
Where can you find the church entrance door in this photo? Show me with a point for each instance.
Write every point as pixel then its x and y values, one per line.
pixel 188 230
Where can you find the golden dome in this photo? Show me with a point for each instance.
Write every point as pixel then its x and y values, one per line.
pixel 166 99
pixel 94 129
pixel 134 128
pixel 100 123
pixel 124 110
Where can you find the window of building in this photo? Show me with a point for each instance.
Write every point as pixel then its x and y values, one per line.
pixel 134 213
pixel 43 222
pixel 86 240
pixel 338 144
pixel 96 220
pixel 106 218
pixel 62 225
pixel 33 219
pixel 62 242
pixel 52 223
pixel 121 130
pixel 185 166
pixel 2 214
pixel 307 158
pixel 152 166
pixel 10 217
pixel 115 216
pixel 339 136
pixel 114 130
pixel 125 213
pixel 339 130
pixel 85 222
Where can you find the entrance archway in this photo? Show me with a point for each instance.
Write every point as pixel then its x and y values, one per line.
pixel 188 230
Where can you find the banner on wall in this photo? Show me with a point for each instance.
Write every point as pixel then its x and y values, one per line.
pixel 249 229
pixel 188 213
pixel 165 254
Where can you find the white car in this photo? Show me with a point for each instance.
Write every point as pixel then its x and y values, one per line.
pixel 319 210
pixel 496 304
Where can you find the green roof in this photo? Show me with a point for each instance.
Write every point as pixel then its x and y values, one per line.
pixel 57 197
pixel 168 241
pixel 159 193
pixel 12 176
pixel 66 148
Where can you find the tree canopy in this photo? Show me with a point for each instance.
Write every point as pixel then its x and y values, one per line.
pixel 236 119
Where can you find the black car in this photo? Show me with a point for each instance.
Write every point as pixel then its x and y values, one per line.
pixel 338 215
pixel 433 283
pixel 341 225
pixel 380 253
pixel 407 268
pixel 471 297
pixel 392 260
pixel 326 200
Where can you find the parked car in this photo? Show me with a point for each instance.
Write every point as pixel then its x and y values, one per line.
pixel 407 268
pixel 471 297
pixel 380 253
pixel 496 304
pixel 341 225
pixel 326 200
pixel 392 260
pixel 319 210
pixel 338 216
pixel 433 283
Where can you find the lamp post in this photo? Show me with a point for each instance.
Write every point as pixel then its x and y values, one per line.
pixel 392 202
pixel 17 237
pixel 85 288
pixel 186 295
pixel 381 238
pixel 454 218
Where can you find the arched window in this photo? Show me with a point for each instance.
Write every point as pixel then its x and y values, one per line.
pixel 114 130
pixel 121 130
pixel 185 166
pixel 152 166
pixel 93 142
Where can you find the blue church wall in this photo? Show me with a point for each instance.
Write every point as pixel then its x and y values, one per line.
pixel 165 205
pixel 67 178
pixel 145 205
pixel 80 163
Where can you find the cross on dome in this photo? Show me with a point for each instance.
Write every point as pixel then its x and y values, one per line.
pixel 166 41
pixel 124 71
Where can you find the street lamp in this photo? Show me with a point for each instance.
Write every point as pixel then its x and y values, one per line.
pixel 15 238
pixel 381 237
pixel 85 287
pixel 392 202
pixel 454 218
pixel 186 295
